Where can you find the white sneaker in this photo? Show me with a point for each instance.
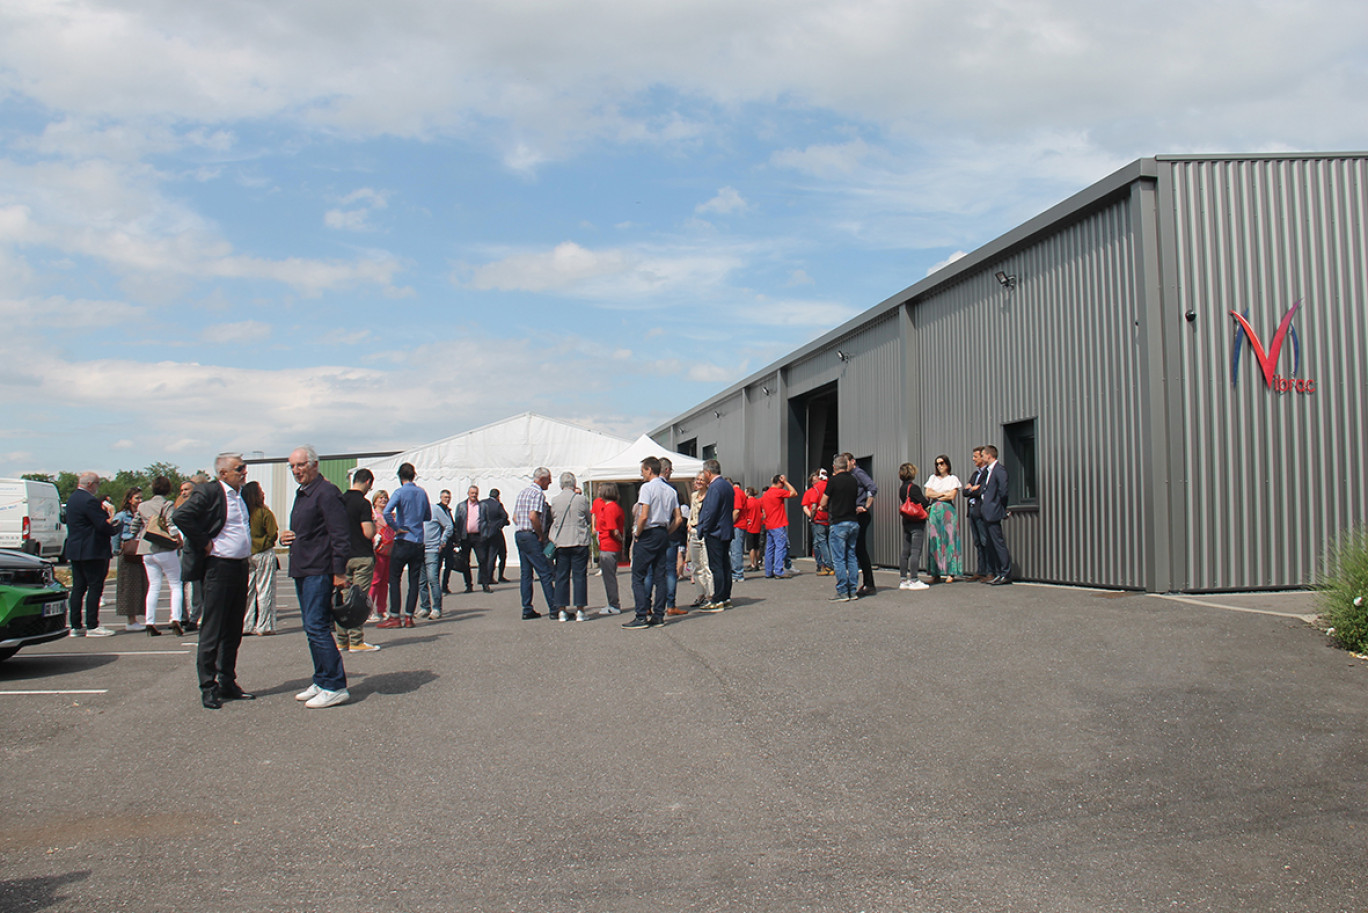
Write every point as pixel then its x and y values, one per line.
pixel 905 584
pixel 308 693
pixel 101 631
pixel 135 627
pixel 580 616
pixel 563 616
pixel 917 585
pixel 609 610
pixel 326 698
pixel 423 613
pixel 77 632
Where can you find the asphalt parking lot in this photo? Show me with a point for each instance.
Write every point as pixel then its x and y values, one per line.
pixel 965 748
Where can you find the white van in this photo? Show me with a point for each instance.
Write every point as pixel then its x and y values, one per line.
pixel 31 517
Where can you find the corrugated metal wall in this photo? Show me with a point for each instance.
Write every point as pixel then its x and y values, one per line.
pixel 1279 474
pixel 1062 348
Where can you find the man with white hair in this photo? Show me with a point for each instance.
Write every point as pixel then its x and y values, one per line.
pixel 320 545
pixel 215 524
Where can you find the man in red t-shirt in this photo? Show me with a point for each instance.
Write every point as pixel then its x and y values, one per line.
pixel 610 524
pixel 776 524
pixel 821 523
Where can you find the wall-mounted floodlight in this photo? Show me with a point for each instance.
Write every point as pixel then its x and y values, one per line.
pixel 717 414
pixel 765 390
pixel 842 355
pixel 1005 280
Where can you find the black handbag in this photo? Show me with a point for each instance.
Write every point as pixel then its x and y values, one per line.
pixel 351 607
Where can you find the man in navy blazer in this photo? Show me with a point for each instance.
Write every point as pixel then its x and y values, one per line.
pixel 994 509
pixel 89 528
pixel 715 527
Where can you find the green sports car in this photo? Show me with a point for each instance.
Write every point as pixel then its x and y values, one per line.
pixel 33 605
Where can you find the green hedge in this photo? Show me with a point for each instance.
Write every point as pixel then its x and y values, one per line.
pixel 1344 591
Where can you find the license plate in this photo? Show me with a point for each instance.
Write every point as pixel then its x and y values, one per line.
pixel 54 608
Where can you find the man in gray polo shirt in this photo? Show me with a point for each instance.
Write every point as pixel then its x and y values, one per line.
pixel 656 516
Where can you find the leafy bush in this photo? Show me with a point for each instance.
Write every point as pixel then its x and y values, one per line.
pixel 1344 591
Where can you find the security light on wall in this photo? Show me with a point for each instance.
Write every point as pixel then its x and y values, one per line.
pixel 842 355
pixel 765 390
pixel 1005 280
pixel 716 414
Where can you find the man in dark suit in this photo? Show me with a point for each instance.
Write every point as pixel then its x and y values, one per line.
pixel 472 536
pixel 495 542
pixel 994 512
pixel 714 526
pixel 978 527
pixel 218 542
pixel 89 528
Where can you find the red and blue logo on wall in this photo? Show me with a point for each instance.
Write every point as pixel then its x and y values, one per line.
pixel 1268 358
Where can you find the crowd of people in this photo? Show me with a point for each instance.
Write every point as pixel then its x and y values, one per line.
pixel 214 546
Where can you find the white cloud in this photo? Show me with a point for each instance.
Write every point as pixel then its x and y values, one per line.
pixel 946 262
pixel 240 332
pixel 117 214
pixel 553 73
pixel 616 275
pixel 726 201
pixel 356 209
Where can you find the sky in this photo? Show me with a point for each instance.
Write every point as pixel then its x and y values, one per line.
pixel 248 225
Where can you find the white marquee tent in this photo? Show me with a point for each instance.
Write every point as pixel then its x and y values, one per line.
pixel 503 456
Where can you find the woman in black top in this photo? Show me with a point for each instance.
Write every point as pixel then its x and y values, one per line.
pixel 914 531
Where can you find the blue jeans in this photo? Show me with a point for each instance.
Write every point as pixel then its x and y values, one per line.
pixel 821 548
pixel 776 552
pixel 572 565
pixel 648 571
pixel 532 558
pixel 430 591
pixel 314 595
pixel 738 554
pixel 671 574
pixel 843 537
pixel 406 554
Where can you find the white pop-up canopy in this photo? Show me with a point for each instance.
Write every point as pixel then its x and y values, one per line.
pixel 626 464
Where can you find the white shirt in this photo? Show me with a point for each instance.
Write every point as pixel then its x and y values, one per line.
pixel 235 539
pixel 942 484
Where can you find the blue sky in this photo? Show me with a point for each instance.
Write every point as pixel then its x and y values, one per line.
pixel 250 225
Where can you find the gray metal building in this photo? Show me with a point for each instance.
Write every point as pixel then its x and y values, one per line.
pixel 1172 363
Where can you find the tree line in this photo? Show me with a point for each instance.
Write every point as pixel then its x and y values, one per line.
pixel 120 483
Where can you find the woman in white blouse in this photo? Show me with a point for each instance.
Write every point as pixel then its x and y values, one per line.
pixel 941 526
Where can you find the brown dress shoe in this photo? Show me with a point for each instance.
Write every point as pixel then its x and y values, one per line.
pixel 676 611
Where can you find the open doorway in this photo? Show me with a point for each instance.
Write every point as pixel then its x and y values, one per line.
pixel 814 430
pixel 820 426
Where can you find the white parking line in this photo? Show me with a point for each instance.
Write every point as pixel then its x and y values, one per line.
pixel 125 653
pixel 1207 604
pixel 93 691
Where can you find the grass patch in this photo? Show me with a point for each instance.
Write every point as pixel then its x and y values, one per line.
pixel 1344 591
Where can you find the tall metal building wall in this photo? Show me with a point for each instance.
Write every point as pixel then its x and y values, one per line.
pixel 1062 348
pixel 1271 477
pixel 1158 467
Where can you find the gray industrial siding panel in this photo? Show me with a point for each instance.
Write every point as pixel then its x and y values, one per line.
pixel 1063 348
pixel 1284 471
